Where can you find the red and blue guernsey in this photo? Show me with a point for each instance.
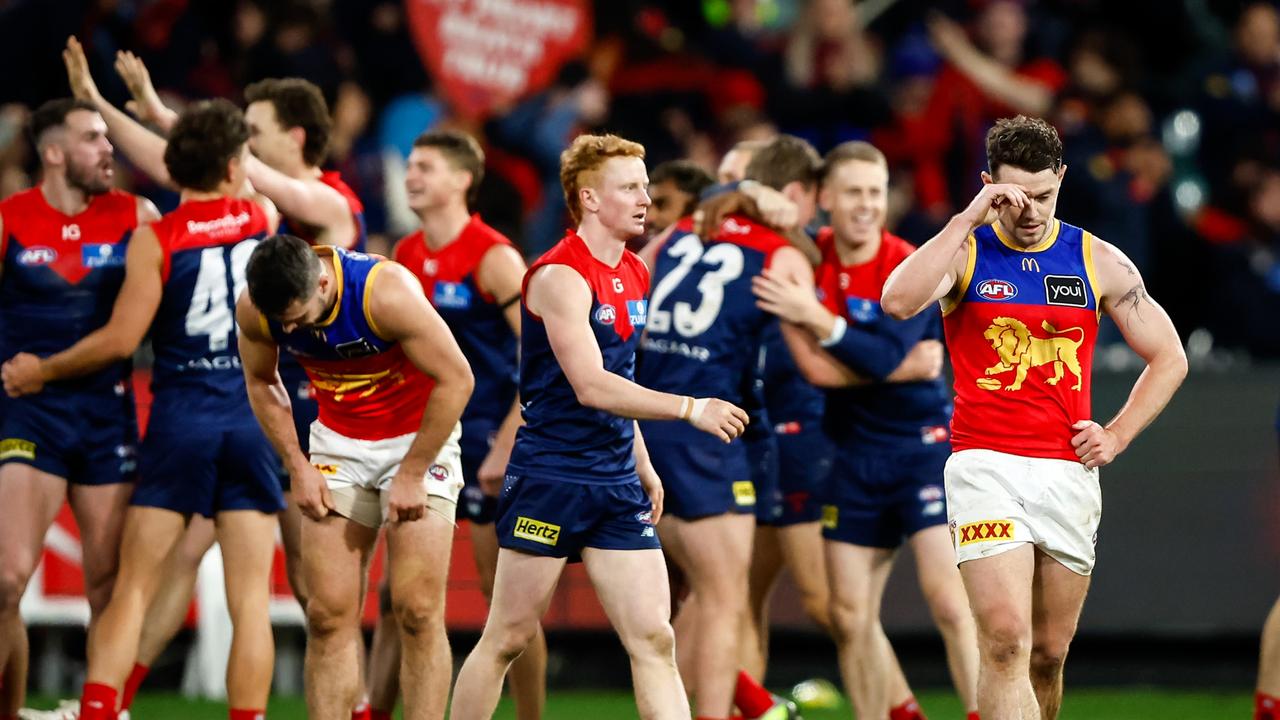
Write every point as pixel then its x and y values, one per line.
pixel 900 416
pixel 562 439
pixel 61 276
pixel 310 233
pixel 1021 337
pixel 448 278
pixel 365 385
pixel 206 246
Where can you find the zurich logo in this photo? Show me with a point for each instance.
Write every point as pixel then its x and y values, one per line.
pixel 606 314
pixel 997 290
pixel 36 256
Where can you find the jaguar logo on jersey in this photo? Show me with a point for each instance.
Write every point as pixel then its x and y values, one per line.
pixel 452 295
pixel 536 531
pixel 997 290
pixel 100 256
pixel 606 314
pixel 638 310
pixel 37 256
pixel 862 310
pixel 985 531
pixel 1065 290
pixel 1019 350
pixel 439 472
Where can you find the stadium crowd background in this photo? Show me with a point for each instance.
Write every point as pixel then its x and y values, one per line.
pixel 1170 111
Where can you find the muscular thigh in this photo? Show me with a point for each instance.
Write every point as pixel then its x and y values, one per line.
pixel 29 501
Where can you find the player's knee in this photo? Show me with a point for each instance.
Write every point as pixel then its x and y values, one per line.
pixel 655 640
pixel 97 591
pixel 419 617
pixel 1004 640
pixel 326 619
pixel 14 576
pixel 1047 658
pixel 851 620
pixel 950 610
pixel 512 639
pixel 818 607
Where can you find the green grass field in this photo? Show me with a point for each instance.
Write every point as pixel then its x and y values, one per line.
pixel 1136 704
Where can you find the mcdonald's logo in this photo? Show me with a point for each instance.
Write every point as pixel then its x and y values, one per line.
pixel 1030 264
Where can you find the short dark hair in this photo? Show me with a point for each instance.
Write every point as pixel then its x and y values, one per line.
pixel 689 177
pixel 1026 143
pixel 203 141
pixel 53 114
pixel 298 103
pixel 282 270
pixel 461 151
pixel 786 159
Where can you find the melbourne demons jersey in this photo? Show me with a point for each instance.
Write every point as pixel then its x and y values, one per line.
pixel 366 387
pixel 1021 337
pixel 902 415
pixel 61 276
pixel 297 228
pixel 562 439
pixel 206 245
pixel 704 331
pixel 448 277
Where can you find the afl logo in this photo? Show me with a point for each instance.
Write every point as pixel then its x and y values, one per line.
pixel 36 256
pixel 606 314
pixel 439 472
pixel 997 290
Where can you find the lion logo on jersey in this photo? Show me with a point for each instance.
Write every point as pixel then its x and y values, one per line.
pixel 1019 350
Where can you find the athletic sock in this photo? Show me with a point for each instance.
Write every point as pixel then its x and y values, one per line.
pixel 375 714
pixel 361 711
pixel 131 685
pixel 1266 707
pixel 908 710
pixel 98 702
pixel 749 697
pixel 242 714
pixel 972 716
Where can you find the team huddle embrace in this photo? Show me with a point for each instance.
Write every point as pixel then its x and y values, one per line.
pixel 744 392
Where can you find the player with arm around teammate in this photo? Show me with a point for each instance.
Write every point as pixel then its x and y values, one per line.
pixel 1022 295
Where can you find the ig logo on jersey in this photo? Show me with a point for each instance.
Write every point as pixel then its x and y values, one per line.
pixel 606 314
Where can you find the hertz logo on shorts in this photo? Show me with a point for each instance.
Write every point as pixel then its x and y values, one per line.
pixel 536 531
pixel 744 493
pixel 15 448
pixel 830 516
pixel 985 531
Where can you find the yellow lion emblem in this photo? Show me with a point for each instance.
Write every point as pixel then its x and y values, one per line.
pixel 1020 351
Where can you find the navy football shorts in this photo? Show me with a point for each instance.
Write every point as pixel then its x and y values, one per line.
pixel 474 505
pixel 207 471
pixel 804 464
pixel 559 518
pixel 877 498
pixel 88 437
pixel 702 475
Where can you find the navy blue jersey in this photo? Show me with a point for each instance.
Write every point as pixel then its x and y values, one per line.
pixel 788 397
pixel 206 246
pixel 562 439
pixel 704 332
pixel 61 277
pixel 365 385
pixel 898 415
pixel 448 278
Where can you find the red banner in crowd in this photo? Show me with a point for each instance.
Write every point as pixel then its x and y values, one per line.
pixel 486 53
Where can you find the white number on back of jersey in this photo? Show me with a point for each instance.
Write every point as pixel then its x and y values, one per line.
pixel 212 310
pixel 690 321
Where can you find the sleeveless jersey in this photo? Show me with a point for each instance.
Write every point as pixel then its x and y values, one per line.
pixel 902 416
pixel 704 332
pixel 297 228
pixel 197 373
pixel 561 439
pixel 364 384
pixel 448 277
pixel 1021 338
pixel 61 276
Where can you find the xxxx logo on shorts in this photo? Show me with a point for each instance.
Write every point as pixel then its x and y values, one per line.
pixel 536 531
pixel 985 530
pixel 326 468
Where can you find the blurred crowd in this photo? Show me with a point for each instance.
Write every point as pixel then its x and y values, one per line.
pixel 1169 109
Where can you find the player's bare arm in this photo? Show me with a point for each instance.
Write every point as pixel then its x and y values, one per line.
pixel 143 147
pixel 649 479
pixel 1149 331
pixel 500 273
pixel 562 299
pixel 931 273
pixel 147 211
pixel 399 311
pixel 259 356
pixel 309 201
pixel 131 316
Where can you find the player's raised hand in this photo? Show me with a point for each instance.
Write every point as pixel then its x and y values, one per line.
pixel 146 104
pixel 22 375
pixel 717 417
pixel 78 76
pixel 986 204
pixel 1095 445
pixel 311 492
pixel 408 500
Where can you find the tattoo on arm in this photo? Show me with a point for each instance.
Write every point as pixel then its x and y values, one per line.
pixel 1131 302
pixel 1128 268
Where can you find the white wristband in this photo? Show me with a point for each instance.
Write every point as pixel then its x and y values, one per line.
pixel 699 405
pixel 837 332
